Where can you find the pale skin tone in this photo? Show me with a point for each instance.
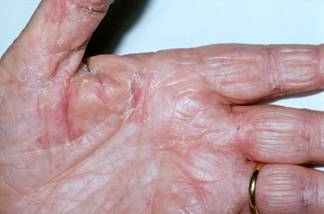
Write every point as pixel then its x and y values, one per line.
pixel 177 131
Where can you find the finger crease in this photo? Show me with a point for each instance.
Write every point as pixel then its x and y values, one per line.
pixel 309 194
pixel 313 134
pixel 271 71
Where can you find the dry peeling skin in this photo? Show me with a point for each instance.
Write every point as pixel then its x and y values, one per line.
pixel 158 132
pixel 124 135
pixel 146 133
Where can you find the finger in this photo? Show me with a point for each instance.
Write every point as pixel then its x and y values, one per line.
pixel 277 134
pixel 249 73
pixel 289 189
pixel 56 36
pixel 246 74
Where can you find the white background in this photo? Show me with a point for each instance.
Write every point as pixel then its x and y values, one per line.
pixel 188 23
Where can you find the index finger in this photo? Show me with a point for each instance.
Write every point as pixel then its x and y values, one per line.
pixel 246 74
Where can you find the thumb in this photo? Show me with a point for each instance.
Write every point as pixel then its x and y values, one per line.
pixel 56 35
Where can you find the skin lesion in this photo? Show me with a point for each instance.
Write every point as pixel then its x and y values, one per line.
pixel 92 6
pixel 134 167
pixel 57 11
pixel 88 99
pixel 54 127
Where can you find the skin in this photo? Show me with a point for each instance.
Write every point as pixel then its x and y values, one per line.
pixel 176 131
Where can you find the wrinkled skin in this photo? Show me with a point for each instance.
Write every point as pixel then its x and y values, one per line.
pixel 166 132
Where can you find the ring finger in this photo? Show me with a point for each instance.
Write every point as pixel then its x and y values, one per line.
pixel 287 189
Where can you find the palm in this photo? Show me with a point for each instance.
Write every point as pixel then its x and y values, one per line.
pixel 156 141
pixel 151 133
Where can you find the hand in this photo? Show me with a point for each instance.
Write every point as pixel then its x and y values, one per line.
pixel 167 132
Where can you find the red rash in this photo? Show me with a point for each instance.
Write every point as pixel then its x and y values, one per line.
pixel 57 11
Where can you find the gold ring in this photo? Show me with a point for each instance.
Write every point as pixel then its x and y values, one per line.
pixel 252 188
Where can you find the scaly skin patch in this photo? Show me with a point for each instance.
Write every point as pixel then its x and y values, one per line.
pixel 56 11
pixel 152 133
pixel 163 139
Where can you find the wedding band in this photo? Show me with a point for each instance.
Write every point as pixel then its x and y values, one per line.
pixel 252 188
